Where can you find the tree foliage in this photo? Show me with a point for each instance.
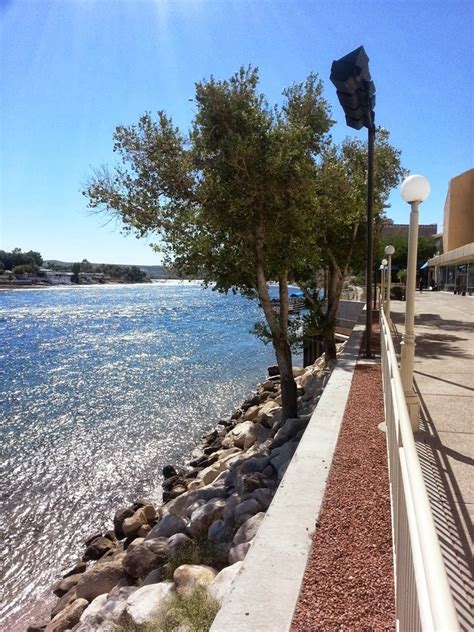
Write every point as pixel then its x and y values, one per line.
pixel 235 199
pixel 18 258
pixel 340 229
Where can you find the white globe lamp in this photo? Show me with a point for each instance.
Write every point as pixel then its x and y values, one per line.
pixel 415 189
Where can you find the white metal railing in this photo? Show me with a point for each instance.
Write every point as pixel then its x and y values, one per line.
pixel 422 593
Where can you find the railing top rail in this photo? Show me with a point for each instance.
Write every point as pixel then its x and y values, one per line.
pixel 441 602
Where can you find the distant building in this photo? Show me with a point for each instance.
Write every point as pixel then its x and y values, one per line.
pixel 389 229
pixel 56 278
pixel 454 269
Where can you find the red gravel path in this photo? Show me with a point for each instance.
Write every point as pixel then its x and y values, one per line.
pixel 348 583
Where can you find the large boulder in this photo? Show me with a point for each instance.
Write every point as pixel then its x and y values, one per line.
pixel 68 617
pixel 65 585
pixel 99 579
pixel 217 532
pixel 209 474
pixel 64 601
pixel 94 607
pixel 245 434
pixel 221 584
pixel 290 429
pixel 283 455
pixel 179 506
pixel 106 608
pixel 245 510
pixel 120 516
pixel 169 525
pixel 146 604
pixel 189 576
pixel 249 529
pixel 144 515
pixel 97 548
pixel 203 517
pixel 264 497
pixel 238 552
pixel 146 557
pixel 250 414
pixel 267 413
pixel 177 543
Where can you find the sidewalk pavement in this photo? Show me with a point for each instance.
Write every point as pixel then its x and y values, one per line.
pixel 444 379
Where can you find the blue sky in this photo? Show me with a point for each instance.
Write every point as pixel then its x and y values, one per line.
pixel 74 69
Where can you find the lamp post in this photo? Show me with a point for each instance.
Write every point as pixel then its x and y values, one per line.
pixel 381 287
pixel 389 251
pixel 356 93
pixel 415 189
pixel 382 298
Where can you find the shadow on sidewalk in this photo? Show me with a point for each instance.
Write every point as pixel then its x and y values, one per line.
pixel 435 321
pixel 450 514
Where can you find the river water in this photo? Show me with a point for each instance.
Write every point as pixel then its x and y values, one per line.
pixel 100 387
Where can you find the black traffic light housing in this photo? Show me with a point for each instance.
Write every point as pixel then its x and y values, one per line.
pixel 355 88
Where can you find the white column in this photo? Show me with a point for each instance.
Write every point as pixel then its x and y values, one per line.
pixel 408 343
pixel 389 280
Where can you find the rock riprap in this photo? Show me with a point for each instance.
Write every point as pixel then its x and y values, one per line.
pixel 212 508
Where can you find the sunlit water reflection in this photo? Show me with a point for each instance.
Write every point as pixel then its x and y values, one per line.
pixel 101 387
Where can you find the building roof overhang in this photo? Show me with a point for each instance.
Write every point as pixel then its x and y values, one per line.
pixel 460 255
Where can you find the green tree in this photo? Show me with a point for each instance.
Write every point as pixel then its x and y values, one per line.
pixel 339 234
pixel 18 258
pixel 233 200
pixel 76 268
pixel 426 249
pixel 27 268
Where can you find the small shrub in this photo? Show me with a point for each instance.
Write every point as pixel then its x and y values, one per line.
pixel 397 292
pixel 198 552
pixel 196 612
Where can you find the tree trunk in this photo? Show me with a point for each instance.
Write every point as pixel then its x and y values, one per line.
pixel 336 281
pixel 288 384
pixel 279 330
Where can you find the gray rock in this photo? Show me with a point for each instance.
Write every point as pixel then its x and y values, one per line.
pixel 248 530
pixel 108 608
pixel 176 544
pixel 204 516
pixel 99 579
pixel 217 532
pixel 180 505
pixel 246 508
pixel 154 577
pixel 169 525
pixel 147 603
pixel 263 497
pixel 283 454
pixel 237 553
pixel 94 607
pixel 254 464
pixel 221 584
pixel 290 429
pixel 146 557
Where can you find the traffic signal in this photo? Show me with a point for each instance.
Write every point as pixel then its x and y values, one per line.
pixel 355 88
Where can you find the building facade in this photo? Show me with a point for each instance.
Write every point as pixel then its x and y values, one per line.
pixel 453 271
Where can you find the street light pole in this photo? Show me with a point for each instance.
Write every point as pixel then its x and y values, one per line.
pixel 356 93
pixel 382 299
pixel 389 251
pixel 415 189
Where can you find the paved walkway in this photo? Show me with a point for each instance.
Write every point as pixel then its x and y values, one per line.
pixel 444 377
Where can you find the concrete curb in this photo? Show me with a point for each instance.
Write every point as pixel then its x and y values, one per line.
pixel 264 594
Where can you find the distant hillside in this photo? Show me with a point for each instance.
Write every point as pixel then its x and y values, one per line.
pixel 154 272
